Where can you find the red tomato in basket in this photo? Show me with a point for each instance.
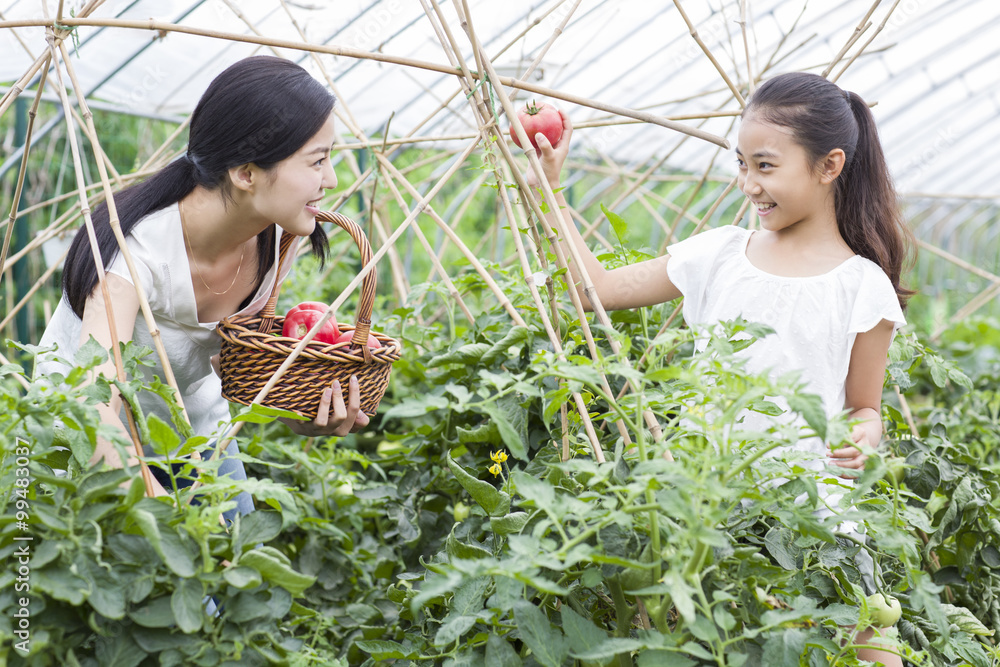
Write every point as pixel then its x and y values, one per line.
pixel 347 335
pixel 306 305
pixel 299 322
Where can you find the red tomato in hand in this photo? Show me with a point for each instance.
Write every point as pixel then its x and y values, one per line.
pixel 537 118
pixel 347 335
pixel 297 325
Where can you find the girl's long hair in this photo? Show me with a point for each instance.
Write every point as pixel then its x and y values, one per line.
pixel 259 110
pixel 822 117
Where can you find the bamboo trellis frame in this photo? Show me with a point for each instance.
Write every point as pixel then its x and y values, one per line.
pixel 632 184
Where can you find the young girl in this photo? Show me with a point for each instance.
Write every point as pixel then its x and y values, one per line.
pixel 203 233
pixel 823 271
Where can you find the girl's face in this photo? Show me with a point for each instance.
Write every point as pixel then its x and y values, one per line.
pixel 289 194
pixel 775 172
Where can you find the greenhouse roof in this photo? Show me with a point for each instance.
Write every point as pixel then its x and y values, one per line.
pixel 932 68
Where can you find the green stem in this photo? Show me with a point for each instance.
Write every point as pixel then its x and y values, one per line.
pixel 753 458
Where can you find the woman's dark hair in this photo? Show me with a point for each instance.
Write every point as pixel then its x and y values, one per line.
pixel 823 117
pixel 259 110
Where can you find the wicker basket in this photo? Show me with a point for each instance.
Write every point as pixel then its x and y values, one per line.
pixel 253 348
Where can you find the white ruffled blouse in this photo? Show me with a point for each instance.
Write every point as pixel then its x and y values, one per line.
pixel 816 319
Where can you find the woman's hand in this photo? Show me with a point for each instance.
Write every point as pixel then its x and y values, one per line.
pixel 852 457
pixel 346 418
pixel 552 157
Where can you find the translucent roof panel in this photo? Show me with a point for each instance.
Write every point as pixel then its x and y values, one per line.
pixel 932 71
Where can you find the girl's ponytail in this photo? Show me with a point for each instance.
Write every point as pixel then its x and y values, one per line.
pixel 259 110
pixel 822 117
pixel 867 209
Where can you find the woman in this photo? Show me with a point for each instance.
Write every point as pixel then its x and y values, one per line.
pixel 203 235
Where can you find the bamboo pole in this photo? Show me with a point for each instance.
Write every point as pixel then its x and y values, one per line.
pixel 751 81
pixel 22 171
pixel 99 265
pixel 859 30
pixel 34 288
pixel 160 26
pixel 545 48
pixel 115 225
pixel 864 46
pixel 479 107
pixel 722 72
pixel 435 260
pixel 602 316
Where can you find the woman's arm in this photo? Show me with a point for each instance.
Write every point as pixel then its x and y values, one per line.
pixel 632 286
pixel 95 323
pixel 863 393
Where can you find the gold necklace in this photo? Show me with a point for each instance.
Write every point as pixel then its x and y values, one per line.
pixel 187 242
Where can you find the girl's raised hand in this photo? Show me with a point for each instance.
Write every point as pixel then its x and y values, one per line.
pixel 345 419
pixel 552 157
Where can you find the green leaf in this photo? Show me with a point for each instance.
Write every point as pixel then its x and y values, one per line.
pixel 453 628
pixel 263 414
pixel 965 620
pixel 242 577
pixel 510 436
pixel 582 634
pixel 516 335
pixel 256 528
pixel 90 354
pixel 501 654
pixel 655 658
pixel 810 407
pixel 381 649
pixel 163 438
pixel 416 407
pixel 784 648
pixel 467 354
pixel 512 523
pixel 496 503
pixel 187 606
pixel 487 433
pixel 61 583
pixel 119 650
pixel 780 544
pixel 618 224
pixel 549 646
pixel 156 613
pixel 276 571
pixel 462 550
pixel 167 544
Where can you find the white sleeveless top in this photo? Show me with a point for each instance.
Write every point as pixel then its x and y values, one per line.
pixel 157 248
pixel 816 319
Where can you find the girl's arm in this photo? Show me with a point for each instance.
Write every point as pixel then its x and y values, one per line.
pixel 632 286
pixel 865 377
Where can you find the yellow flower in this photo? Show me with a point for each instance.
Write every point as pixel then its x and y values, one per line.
pixel 498 457
pixel 495 469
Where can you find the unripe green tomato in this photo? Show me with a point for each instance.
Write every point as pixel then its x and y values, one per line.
pixel 885 610
pixel 460 511
pixel 896 470
pixel 343 490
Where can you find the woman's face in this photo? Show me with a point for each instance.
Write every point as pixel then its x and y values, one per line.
pixel 290 194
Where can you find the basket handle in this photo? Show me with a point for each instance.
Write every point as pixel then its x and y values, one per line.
pixel 267 312
pixel 362 319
